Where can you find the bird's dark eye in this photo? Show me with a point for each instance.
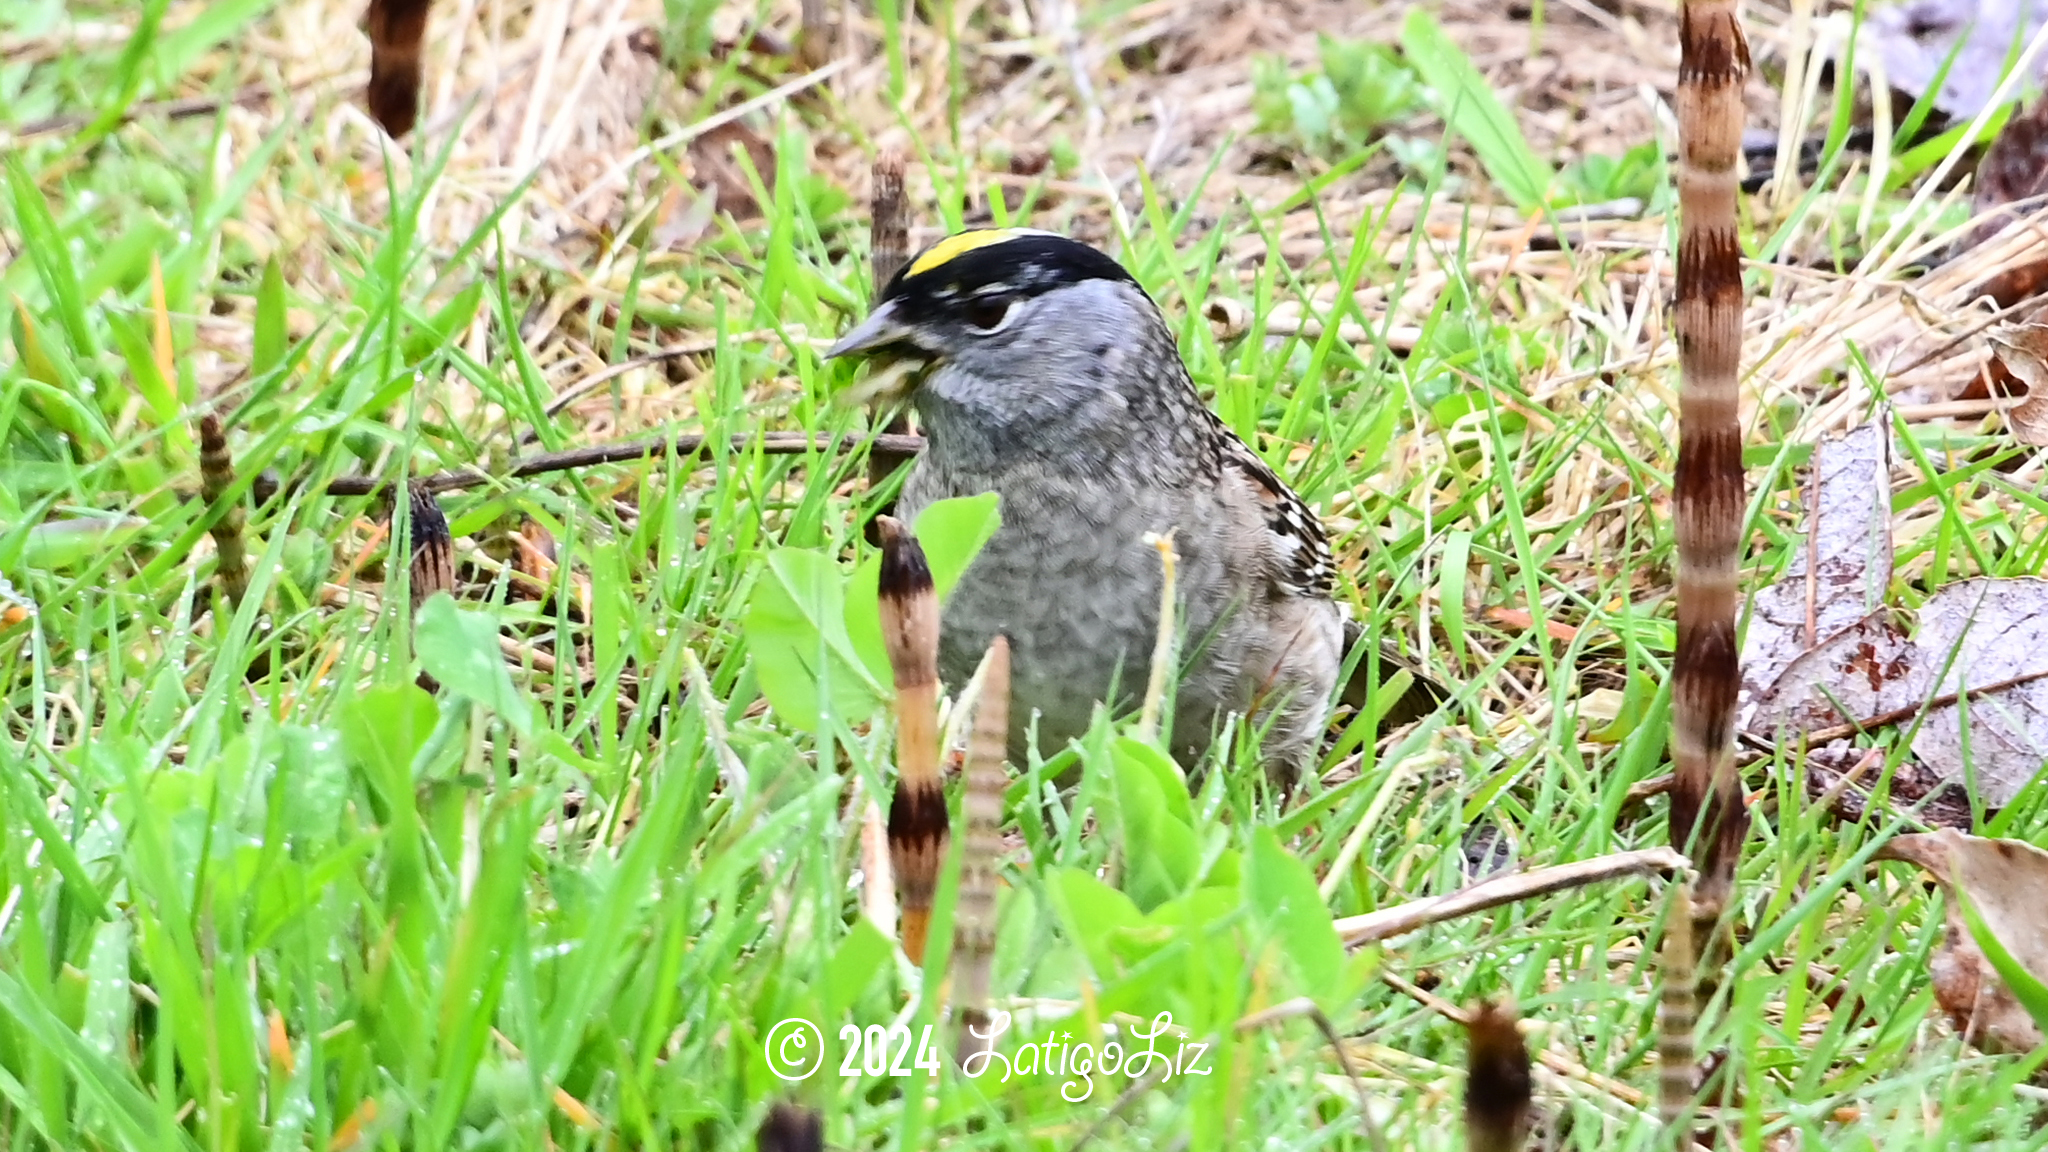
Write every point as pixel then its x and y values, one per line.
pixel 989 313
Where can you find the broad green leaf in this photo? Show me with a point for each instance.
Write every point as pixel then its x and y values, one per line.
pixel 860 957
pixel 952 533
pixel 1160 850
pixel 1227 871
pixel 313 774
pixel 384 728
pixel 1187 954
pixel 1134 754
pixel 1205 908
pixel 60 408
pixel 109 1005
pixel 1280 895
pixel 1094 912
pixel 1450 588
pixel 797 630
pixel 60 544
pixel 459 647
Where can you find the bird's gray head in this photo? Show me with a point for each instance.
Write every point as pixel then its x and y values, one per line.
pixel 1016 335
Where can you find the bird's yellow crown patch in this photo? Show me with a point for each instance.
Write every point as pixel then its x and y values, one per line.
pixel 961 243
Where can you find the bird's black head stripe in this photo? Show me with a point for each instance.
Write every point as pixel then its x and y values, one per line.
pixel 1019 263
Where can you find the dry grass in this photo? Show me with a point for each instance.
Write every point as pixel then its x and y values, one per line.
pixel 1162 88
pixel 1509 518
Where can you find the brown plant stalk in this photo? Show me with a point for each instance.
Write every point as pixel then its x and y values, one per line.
pixel 398 33
pixel 1677 1012
pixel 888 251
pixel 918 824
pixel 1707 816
pixel 1497 1080
pixel 1708 819
pixel 974 911
pixel 216 476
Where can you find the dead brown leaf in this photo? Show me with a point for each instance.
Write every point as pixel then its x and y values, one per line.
pixel 1838 580
pixel 1824 651
pixel 2004 881
pixel 1523 620
pixel 1851 676
pixel 2023 350
pixel 2011 180
pixel 714 158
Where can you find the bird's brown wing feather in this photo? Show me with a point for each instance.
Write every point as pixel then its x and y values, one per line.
pixel 1301 552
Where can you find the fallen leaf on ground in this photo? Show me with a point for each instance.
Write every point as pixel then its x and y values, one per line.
pixel 2023 350
pixel 1522 619
pixel 1825 657
pixel 2002 881
pixel 714 158
pixel 2011 180
pixel 1838 579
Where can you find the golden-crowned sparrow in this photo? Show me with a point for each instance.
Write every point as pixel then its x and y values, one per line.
pixel 1041 371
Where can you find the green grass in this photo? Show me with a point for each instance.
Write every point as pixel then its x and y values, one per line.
pixel 261 891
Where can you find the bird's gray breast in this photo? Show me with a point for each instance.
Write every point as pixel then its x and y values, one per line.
pixel 1071 581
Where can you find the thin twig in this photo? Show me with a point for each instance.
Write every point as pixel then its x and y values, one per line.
pixel 1499 890
pixel 182 108
pixel 767 443
pixel 1913 711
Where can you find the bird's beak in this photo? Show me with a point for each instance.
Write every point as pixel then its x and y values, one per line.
pixel 878 331
pixel 897 362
